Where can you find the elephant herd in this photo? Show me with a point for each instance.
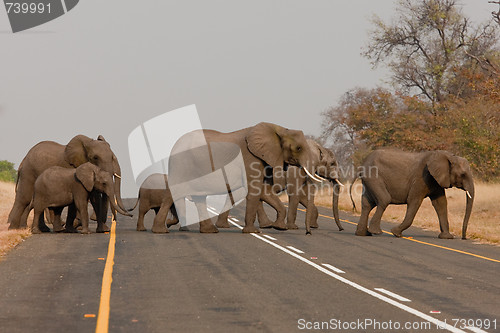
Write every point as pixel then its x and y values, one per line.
pixel 271 159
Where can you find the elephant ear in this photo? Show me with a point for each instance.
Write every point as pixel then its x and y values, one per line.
pixel 75 152
pixel 85 173
pixel 316 150
pixel 101 138
pixel 264 141
pixel 439 168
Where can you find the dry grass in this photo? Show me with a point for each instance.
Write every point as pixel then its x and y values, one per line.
pixel 8 238
pixel 484 224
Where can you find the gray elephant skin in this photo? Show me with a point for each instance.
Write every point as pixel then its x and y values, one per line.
pixel 46 154
pixel 265 148
pixel 58 187
pixel 302 189
pixel 396 177
pixel 155 194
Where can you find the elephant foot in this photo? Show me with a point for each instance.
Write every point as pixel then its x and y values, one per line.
pixel 362 233
pixel 59 230
pixel 43 228
pixel 185 228
pixel 396 232
pixel 291 226
pixel 36 231
pixel 85 232
pixel 140 228
pixel 159 230
pixel 445 235
pixel 375 230
pixel 208 228
pixel 101 228
pixel 341 228
pixel 308 233
pixel 222 224
pixel 279 225
pixel 266 225
pixel 315 226
pixel 250 229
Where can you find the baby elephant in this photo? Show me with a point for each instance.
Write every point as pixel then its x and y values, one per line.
pixel 59 187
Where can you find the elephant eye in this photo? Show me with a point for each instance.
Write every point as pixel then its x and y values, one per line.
pixel 299 148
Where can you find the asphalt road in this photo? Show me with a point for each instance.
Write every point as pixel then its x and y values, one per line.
pixel 234 282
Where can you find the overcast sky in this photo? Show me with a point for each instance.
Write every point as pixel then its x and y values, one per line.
pixel 107 66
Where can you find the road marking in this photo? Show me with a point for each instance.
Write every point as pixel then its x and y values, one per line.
pixel 269 237
pixel 235 222
pixel 89 315
pixel 418 241
pixel 442 324
pixel 295 249
pixel 107 278
pixel 475 329
pixel 393 295
pixel 333 268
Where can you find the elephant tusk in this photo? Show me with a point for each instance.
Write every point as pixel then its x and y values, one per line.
pixel 117 175
pixel 312 176
pixel 338 182
pixel 319 177
pixel 468 194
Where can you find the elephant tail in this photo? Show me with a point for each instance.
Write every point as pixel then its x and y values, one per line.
pixel 350 192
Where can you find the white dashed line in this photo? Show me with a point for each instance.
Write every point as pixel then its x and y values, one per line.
pixel 393 295
pixel 295 249
pixel 269 237
pixel 333 268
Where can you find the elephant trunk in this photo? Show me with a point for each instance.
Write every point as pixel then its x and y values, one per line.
pixel 469 189
pixel 335 204
pixel 113 199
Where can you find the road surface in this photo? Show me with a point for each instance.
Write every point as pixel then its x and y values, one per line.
pixel 275 281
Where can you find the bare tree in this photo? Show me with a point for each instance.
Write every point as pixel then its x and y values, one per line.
pixel 425 44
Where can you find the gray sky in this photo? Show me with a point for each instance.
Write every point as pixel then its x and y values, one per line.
pixel 107 66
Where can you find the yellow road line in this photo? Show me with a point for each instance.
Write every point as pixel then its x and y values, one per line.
pixel 107 278
pixel 418 241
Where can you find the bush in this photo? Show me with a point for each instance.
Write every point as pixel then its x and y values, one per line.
pixel 7 171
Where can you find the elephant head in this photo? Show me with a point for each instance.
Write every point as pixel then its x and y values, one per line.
pixel 327 167
pixel 93 178
pixel 278 146
pixel 453 171
pixel 82 149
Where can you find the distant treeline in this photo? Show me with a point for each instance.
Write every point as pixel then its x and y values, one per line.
pixel 446 79
pixel 7 171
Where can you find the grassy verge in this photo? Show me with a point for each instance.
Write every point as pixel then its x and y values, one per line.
pixel 484 224
pixel 8 238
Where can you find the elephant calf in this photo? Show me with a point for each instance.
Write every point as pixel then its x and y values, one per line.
pixel 155 194
pixel 396 177
pixel 58 187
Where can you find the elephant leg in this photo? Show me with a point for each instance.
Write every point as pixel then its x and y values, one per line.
pixel 274 201
pixel 143 209
pixel 293 204
pixel 56 222
pixel 159 220
pixel 366 207
pixel 81 206
pixel 99 202
pixel 18 216
pixel 222 218
pixel 180 207
pixel 374 227
pixel 206 225
pixel 38 213
pixel 411 211
pixel 253 200
pixel 41 223
pixel 264 221
pixel 440 205
pixel 70 219
pixel 311 212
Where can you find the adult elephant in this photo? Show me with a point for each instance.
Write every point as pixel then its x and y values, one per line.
pixel 46 154
pixel 264 149
pixel 397 177
pixel 302 189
